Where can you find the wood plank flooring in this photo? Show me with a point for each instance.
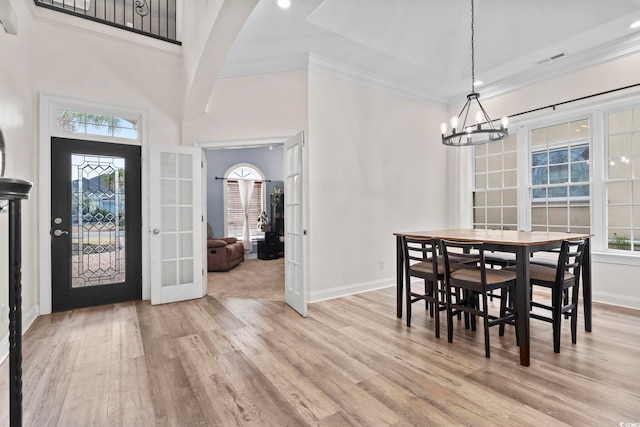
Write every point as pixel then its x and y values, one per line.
pixel 250 362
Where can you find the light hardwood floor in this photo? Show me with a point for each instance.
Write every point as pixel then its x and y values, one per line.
pixel 225 362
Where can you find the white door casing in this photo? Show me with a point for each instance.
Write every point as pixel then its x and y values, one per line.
pixel 295 283
pixel 175 226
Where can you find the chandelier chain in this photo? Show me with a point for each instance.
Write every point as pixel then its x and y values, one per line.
pixel 473 55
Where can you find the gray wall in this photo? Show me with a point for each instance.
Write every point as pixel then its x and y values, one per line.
pixel 270 162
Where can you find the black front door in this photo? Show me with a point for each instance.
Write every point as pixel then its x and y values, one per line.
pixel 96 223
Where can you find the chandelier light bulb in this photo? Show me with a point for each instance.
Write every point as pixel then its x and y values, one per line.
pixel 454 122
pixel 505 122
pixel 479 117
pixel 443 128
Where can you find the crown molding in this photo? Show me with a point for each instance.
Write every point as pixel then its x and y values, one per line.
pixel 336 69
pixel 374 81
pixel 568 64
pixel 537 73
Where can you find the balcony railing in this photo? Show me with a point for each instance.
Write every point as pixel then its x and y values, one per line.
pixel 153 18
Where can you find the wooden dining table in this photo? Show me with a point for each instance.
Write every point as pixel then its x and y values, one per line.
pixel 522 244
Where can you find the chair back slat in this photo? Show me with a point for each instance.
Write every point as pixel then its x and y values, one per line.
pixel 469 254
pixel 419 250
pixel 570 259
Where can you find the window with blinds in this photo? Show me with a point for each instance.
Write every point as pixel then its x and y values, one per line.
pixel 235 213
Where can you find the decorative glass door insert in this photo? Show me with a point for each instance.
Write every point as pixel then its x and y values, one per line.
pixel 98 220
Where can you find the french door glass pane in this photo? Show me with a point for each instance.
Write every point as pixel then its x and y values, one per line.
pixel 176 221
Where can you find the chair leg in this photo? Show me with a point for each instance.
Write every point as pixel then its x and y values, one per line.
pixel 556 316
pixel 485 310
pixel 574 314
pixel 503 309
pixel 473 302
pixel 449 315
pixel 407 282
pixel 428 290
pixel 436 294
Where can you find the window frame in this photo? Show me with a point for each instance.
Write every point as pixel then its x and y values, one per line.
pixel 89 109
pixel 263 192
pixel 634 229
pixel 568 183
pixel 523 130
pixel 488 157
pixel 596 112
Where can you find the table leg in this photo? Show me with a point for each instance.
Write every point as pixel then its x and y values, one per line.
pixel 586 284
pixel 399 275
pixel 522 302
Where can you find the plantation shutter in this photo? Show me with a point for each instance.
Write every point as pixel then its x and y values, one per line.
pixel 235 214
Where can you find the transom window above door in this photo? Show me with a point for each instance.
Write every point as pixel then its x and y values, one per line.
pixel 83 122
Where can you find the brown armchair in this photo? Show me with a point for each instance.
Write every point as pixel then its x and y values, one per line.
pixel 223 254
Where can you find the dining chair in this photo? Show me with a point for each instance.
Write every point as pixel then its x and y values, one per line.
pixel 469 273
pixel 421 261
pixel 564 281
pixel 499 259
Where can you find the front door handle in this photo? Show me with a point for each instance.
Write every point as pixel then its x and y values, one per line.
pixel 59 233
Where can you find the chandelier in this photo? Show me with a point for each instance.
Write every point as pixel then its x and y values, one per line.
pixel 483 131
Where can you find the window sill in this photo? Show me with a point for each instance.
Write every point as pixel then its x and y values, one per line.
pixel 621 258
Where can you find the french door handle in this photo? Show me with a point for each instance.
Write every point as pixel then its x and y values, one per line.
pixel 59 233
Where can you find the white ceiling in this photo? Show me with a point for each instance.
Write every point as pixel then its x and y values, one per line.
pixel 424 46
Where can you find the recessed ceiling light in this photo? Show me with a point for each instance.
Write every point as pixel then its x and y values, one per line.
pixel 478 83
pixel 635 25
pixel 284 3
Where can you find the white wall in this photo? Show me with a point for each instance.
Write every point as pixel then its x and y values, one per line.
pixel 614 277
pixel 376 166
pixel 18 122
pixel 270 105
pixel 57 59
pixel 92 67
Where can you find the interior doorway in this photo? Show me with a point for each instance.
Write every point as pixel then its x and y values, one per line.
pixel 262 274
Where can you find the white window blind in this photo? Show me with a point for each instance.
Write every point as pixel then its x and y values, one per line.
pixel 235 214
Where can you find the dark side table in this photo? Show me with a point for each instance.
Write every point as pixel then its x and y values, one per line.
pixel 14 190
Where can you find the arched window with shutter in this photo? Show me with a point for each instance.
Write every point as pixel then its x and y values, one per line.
pixel 233 205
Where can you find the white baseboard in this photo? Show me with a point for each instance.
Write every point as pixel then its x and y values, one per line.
pixel 27 320
pixel 356 288
pixel 617 300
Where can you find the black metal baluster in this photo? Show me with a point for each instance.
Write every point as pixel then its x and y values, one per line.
pixel 15 315
pixel 14 190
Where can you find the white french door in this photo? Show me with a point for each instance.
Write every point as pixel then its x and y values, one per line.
pixel 175 228
pixel 295 283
